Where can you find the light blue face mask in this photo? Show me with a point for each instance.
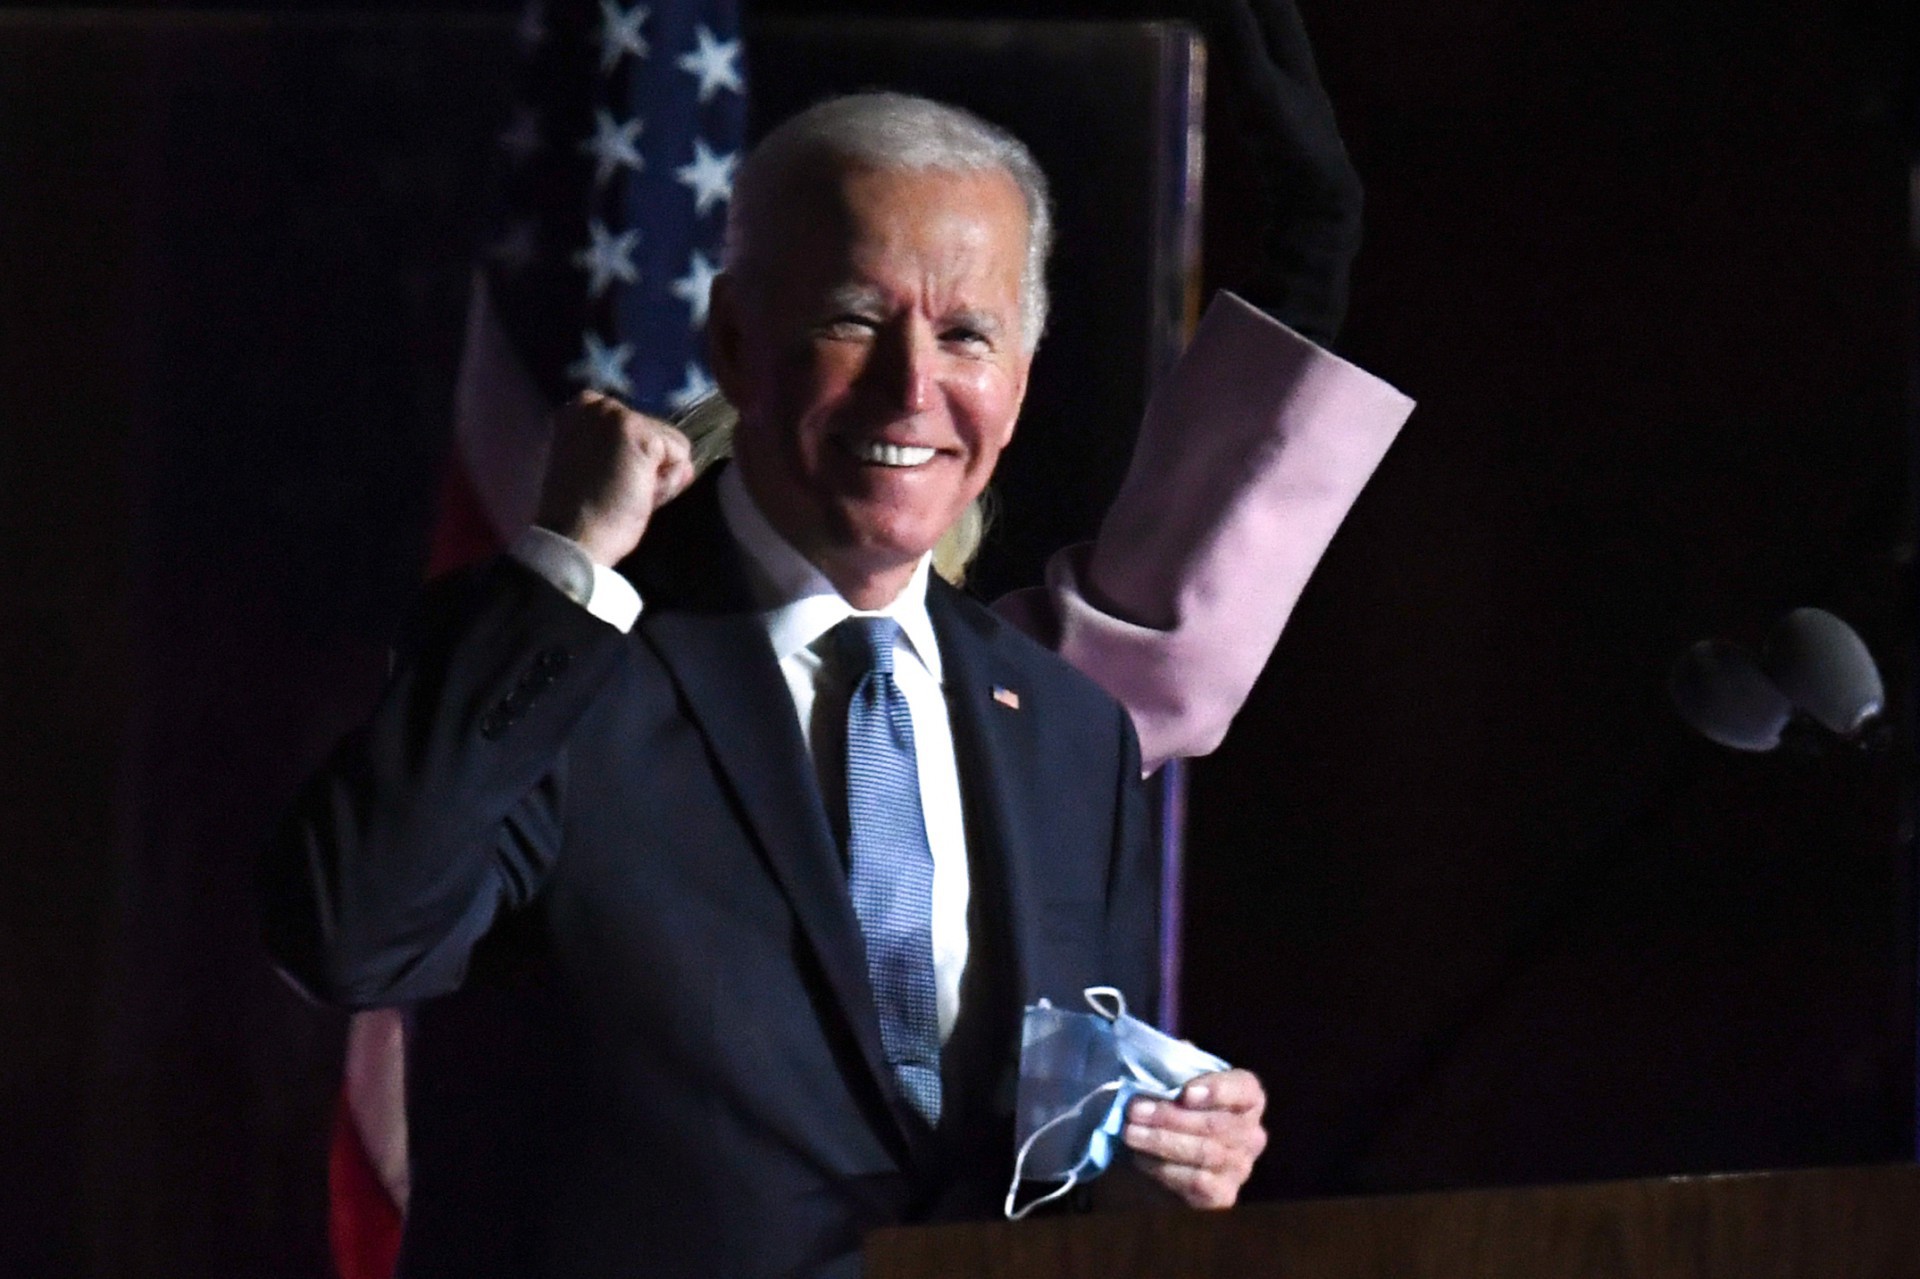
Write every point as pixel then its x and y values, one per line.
pixel 1078 1071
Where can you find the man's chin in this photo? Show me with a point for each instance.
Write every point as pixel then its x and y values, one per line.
pixel 882 528
pixel 882 555
pixel 876 552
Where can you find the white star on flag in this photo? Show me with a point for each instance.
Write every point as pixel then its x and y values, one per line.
pixel 516 246
pixel 716 62
pixel 522 138
pixel 620 33
pixel 531 31
pixel 601 367
pixel 693 287
pixel 697 386
pixel 611 145
pixel 608 258
pixel 710 176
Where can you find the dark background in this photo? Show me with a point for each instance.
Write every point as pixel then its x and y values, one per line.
pixel 1462 888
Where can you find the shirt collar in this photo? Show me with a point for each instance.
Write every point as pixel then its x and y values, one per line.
pixel 797 603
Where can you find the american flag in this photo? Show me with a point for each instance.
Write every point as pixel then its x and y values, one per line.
pixel 616 165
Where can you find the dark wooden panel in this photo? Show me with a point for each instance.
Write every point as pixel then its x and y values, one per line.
pixel 1850 1223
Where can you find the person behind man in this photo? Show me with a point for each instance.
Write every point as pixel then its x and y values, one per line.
pixel 725 897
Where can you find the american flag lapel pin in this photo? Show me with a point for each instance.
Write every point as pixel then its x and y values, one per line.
pixel 1006 697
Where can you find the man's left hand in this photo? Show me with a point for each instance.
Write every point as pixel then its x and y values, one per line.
pixel 1201 1145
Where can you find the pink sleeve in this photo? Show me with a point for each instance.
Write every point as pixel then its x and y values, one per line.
pixel 1252 451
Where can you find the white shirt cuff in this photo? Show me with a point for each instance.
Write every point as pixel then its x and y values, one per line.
pixel 594 587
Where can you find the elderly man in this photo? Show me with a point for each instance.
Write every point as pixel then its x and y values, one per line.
pixel 725 895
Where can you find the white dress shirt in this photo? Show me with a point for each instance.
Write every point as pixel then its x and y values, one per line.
pixel 799 606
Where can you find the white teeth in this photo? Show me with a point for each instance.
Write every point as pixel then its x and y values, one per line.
pixel 883 454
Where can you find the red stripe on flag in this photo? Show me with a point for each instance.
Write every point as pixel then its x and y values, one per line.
pixel 363 1225
pixel 363 1222
pixel 462 532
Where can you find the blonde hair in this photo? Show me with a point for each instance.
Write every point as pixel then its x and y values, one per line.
pixel 708 425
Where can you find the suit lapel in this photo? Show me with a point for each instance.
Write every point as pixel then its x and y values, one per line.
pixel 700 619
pixel 998 747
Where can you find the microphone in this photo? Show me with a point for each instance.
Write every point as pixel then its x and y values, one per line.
pixel 1719 689
pixel 1813 667
pixel 1824 668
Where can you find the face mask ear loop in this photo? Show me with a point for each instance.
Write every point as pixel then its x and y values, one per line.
pixel 1020 1160
pixel 1100 997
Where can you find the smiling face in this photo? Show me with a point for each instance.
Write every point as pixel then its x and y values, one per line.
pixel 878 365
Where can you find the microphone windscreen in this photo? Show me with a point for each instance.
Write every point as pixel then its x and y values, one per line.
pixel 1717 688
pixel 1819 662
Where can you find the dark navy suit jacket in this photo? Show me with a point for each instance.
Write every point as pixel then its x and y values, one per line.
pixel 600 867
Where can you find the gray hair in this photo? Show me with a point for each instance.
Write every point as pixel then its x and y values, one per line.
pixel 894 132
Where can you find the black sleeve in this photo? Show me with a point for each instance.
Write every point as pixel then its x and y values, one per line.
pixel 446 807
pixel 1312 195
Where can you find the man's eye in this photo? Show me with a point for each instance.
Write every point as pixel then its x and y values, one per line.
pixel 966 337
pixel 851 325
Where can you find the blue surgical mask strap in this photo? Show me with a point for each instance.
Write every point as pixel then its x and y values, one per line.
pixel 1073 1177
pixel 1153 1064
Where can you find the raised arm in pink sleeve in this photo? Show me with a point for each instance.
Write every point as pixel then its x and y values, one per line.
pixel 1252 451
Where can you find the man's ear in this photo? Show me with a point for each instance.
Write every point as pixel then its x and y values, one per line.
pixel 725 341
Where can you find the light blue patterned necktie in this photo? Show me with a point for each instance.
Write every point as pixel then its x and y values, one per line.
pixel 889 866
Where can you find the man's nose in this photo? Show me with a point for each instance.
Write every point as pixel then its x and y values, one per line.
pixel 904 369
